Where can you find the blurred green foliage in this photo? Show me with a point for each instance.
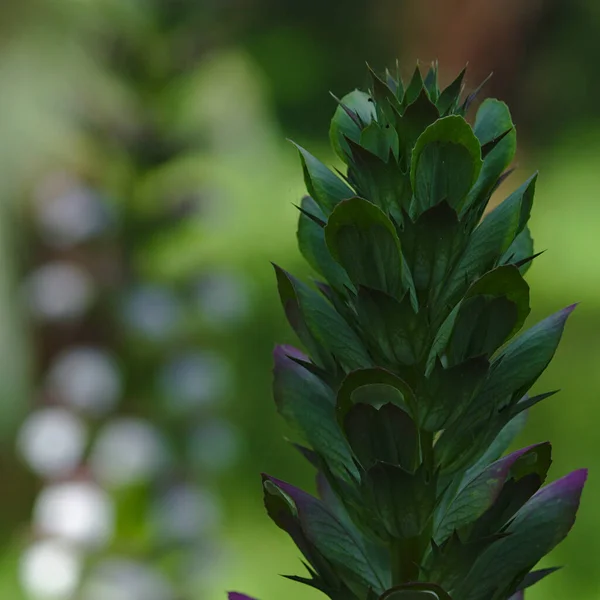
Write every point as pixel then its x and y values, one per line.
pixel 265 75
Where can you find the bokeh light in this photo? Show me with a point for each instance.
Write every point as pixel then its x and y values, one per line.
pixel 85 378
pixel 50 570
pixel 59 291
pixel 78 511
pixel 127 450
pixel 52 441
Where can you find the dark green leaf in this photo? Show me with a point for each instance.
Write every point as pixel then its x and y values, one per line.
pixel 492 238
pixel 311 241
pixel 431 82
pixel 414 88
pixel 445 163
pixel 448 100
pixel 394 331
pixel 287 287
pixel 535 530
pixel 476 496
pixel 382 434
pixel 520 251
pixel 342 546
pixel 430 246
pixel 492 120
pixel 325 187
pixel 364 241
pixel 416 118
pixel 499 445
pixel 343 126
pixel 504 281
pixel 494 308
pixel 523 360
pixel 404 501
pixel 382 141
pixel 416 591
pixel 536 576
pixel 443 396
pixel 375 387
pixel 309 405
pixel 380 182
pixel 311 315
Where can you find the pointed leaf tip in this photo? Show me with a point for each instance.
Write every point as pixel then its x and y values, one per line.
pixel 569 486
pixel 284 353
pixel 238 596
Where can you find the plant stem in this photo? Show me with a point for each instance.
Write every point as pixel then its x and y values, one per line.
pixel 405 555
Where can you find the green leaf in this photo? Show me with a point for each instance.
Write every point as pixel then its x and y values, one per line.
pixel 404 501
pixel 492 238
pixel 323 328
pixel 416 591
pixel 445 163
pixel 482 326
pixel 417 116
pixel 326 189
pixel 382 141
pixel 414 88
pixel 492 121
pixel 523 360
pixel 380 182
pixel 519 251
pixel 449 563
pixel 375 387
pixel 394 331
pixel 493 309
pixel 287 287
pixel 385 98
pixel 477 495
pixel 443 396
pixel 535 530
pixel 381 434
pixel 449 98
pixel 499 445
pixel 442 337
pixel 504 281
pixel 342 546
pixel 364 241
pixel 431 82
pixel 343 126
pixel 309 405
pixel 311 241
pixel 431 245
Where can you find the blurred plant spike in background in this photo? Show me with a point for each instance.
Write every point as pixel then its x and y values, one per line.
pixel 126 434
pixel 417 375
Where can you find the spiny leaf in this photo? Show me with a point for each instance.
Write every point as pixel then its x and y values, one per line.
pixel 311 241
pixel 394 331
pixel 403 500
pixel 492 120
pixel 448 100
pixel 309 405
pixel 492 238
pixel 340 545
pixel 320 326
pixel 535 530
pixel 382 434
pixel 343 126
pixel 325 188
pixel 524 359
pixel 477 495
pixel 416 591
pixel 363 240
pixel 445 163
